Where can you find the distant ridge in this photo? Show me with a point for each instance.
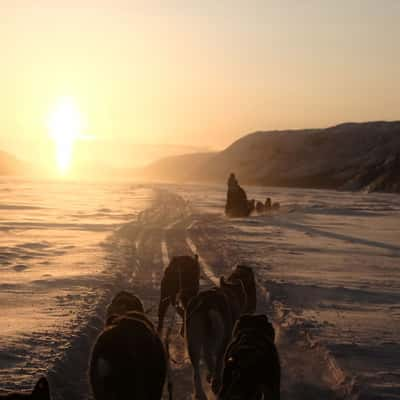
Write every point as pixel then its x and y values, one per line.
pixel 176 168
pixel 351 156
pixel 10 165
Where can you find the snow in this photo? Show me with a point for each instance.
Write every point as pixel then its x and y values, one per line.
pixel 327 267
pixel 330 263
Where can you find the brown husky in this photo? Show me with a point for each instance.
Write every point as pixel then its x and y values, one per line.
pixel 179 284
pixel 128 359
pixel 40 392
pixel 210 317
pixel 251 362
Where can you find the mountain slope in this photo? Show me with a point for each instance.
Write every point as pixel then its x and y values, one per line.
pixel 347 156
pixel 326 158
pixel 176 168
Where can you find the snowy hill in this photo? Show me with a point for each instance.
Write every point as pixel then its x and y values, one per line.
pixel 175 168
pixel 348 156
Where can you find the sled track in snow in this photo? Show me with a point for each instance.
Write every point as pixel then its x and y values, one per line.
pixel 169 228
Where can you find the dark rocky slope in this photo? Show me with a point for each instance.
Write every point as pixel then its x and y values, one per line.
pixel 350 156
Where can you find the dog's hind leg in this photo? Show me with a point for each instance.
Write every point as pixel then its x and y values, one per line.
pixel 218 339
pixel 210 362
pixel 195 336
pixel 216 383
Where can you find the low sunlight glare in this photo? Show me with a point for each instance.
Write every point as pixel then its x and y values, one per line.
pixel 65 126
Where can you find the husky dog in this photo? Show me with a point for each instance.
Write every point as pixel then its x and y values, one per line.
pixel 260 208
pixel 210 317
pixel 128 359
pixel 251 363
pixel 40 392
pixel 245 274
pixel 124 302
pixel 179 284
pixel 276 205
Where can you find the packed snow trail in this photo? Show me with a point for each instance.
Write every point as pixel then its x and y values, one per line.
pixel 140 251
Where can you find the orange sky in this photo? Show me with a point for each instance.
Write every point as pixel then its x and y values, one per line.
pixel 194 73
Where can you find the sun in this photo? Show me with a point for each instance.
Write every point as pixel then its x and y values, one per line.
pixel 65 124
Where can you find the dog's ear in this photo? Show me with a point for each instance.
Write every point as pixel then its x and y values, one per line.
pixel 119 295
pixel 123 302
pixel 262 319
pixel 270 331
pixel 262 322
pixel 41 390
pixel 258 323
pixel 246 321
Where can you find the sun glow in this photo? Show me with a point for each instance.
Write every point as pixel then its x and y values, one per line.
pixel 65 126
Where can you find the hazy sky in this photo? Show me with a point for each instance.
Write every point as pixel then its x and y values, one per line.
pixel 198 73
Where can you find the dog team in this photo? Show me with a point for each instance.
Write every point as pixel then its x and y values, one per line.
pixel 130 361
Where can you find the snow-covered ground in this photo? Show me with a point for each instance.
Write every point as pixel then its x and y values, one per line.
pixel 331 264
pixel 54 266
pixel 327 267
